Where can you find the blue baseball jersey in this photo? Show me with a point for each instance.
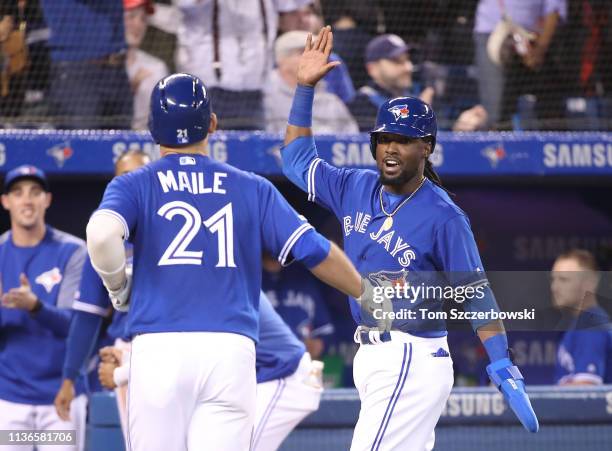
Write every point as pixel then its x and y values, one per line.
pixel 296 296
pixel 430 237
pixel 278 352
pixel 32 346
pixel 199 228
pixel 585 351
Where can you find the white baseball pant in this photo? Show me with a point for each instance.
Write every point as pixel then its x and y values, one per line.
pixel 120 377
pixel 403 388
pixel 191 391
pixel 283 403
pixel 16 416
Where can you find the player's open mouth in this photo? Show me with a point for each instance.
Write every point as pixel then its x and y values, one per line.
pixel 390 165
pixel 391 162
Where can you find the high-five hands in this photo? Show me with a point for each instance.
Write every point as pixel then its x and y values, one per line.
pixel 313 64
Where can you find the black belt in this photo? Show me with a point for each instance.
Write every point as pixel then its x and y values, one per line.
pixel 364 337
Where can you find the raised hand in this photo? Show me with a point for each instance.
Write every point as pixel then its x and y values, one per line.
pixel 314 63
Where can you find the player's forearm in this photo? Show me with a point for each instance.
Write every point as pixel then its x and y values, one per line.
pixel 490 330
pixel 494 339
pixel 298 153
pixel 337 270
pixel 300 116
pixel 106 249
pixel 82 338
pixel 55 319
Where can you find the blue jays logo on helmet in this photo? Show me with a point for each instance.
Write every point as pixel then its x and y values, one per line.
pixel 399 111
pixel 180 111
pixel 406 116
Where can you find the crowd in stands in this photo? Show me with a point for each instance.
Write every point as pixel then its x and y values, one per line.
pixel 482 64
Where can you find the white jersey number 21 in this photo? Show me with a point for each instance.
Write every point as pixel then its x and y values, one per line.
pixel 221 223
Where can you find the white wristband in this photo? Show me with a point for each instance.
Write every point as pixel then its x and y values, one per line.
pixel 121 375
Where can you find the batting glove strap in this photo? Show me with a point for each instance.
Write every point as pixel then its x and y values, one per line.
pixel 120 298
pixel 503 369
pixel 509 380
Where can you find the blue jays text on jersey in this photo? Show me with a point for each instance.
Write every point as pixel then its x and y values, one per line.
pixel 32 347
pixel 430 234
pixel 199 228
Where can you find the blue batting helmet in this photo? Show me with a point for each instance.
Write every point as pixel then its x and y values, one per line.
pixel 180 111
pixel 406 116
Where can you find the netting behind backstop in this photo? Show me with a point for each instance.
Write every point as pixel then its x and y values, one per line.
pixel 549 68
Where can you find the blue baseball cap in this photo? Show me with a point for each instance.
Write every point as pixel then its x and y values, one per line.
pixel 386 46
pixel 25 171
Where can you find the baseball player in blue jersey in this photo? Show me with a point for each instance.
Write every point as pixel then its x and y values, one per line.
pixel 289 383
pixel 92 305
pixel 398 223
pixel 40 270
pixel 584 356
pixel 199 228
pixel 298 299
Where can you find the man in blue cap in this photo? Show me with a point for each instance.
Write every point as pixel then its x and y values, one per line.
pixel 390 69
pixel 40 270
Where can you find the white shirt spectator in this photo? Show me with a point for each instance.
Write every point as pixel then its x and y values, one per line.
pixel 144 71
pixel 526 13
pixel 329 114
pixel 244 50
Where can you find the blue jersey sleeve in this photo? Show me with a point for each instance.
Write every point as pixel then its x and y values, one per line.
pixel 92 297
pixel 324 183
pixel 458 258
pixel 338 81
pixel 82 338
pixel 281 226
pixel 121 201
pixel 57 318
pixel 457 254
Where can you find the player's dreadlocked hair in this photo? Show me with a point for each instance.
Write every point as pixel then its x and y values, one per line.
pixel 430 172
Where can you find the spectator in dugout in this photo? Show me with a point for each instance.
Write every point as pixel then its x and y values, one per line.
pixel 89 84
pixel 390 69
pixel 144 70
pixel 297 297
pixel 584 355
pixel 330 115
pixel 229 46
pixel 40 271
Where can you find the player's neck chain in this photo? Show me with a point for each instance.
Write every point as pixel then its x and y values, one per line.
pixel 389 220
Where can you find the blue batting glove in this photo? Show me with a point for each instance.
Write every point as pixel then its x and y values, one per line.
pixel 509 380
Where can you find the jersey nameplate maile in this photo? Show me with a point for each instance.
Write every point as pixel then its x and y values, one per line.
pixel 192 182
